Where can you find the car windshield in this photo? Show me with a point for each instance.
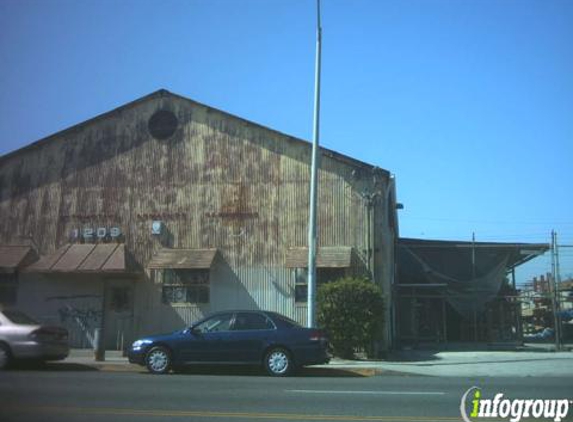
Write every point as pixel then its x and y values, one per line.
pixel 18 317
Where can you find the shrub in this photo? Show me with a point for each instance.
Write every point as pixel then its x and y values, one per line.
pixel 351 312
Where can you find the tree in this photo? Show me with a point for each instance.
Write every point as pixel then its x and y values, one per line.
pixel 351 310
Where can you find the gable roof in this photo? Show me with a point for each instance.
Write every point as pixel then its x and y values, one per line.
pixel 162 93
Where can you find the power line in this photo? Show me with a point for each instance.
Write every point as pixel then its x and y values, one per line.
pixel 459 220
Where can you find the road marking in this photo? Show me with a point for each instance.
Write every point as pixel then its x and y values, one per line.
pixel 224 415
pixel 374 392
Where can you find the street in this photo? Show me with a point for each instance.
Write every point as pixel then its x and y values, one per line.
pixel 74 393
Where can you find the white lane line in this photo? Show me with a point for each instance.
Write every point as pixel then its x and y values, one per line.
pixel 372 393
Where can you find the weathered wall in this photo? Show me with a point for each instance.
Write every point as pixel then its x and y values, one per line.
pixel 219 182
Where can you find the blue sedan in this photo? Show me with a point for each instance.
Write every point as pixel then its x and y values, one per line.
pixel 269 339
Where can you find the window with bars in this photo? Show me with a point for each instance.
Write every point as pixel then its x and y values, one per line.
pixel 185 286
pixel 323 275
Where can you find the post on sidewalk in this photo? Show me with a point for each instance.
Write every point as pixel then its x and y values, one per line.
pixel 99 334
pixel 554 290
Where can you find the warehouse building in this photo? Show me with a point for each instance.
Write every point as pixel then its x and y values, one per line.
pixel 153 214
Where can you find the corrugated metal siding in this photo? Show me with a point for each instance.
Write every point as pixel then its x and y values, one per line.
pixel 301 314
pixel 220 182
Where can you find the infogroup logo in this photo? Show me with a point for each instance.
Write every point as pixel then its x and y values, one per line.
pixel 473 406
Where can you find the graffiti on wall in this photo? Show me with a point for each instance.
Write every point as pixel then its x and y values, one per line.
pixel 86 316
pixel 81 314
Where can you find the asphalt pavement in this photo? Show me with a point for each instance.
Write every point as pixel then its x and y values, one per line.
pixel 83 394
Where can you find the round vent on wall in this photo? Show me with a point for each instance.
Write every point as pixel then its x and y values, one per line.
pixel 162 124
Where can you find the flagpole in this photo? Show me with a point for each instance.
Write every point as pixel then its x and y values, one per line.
pixel 311 299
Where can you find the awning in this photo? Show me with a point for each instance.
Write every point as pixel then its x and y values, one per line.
pixel 326 257
pixel 469 274
pixel 455 257
pixel 13 257
pixel 83 258
pixel 183 259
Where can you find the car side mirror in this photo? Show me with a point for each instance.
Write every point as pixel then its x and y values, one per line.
pixel 195 331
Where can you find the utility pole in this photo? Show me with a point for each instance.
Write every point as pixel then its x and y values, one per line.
pixel 554 289
pixel 370 198
pixel 473 256
pixel 311 299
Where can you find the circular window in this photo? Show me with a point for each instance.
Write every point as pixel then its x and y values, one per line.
pixel 162 124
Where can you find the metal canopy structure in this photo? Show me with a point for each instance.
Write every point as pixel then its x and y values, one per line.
pixel 455 254
pixel 450 290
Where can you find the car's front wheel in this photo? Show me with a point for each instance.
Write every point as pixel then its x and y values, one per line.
pixel 278 362
pixel 158 360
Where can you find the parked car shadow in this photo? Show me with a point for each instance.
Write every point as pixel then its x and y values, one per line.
pixel 48 366
pixel 311 372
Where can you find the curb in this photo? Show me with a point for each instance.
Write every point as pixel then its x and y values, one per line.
pixel 103 367
pixel 311 371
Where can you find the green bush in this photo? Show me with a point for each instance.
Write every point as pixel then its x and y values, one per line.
pixel 351 312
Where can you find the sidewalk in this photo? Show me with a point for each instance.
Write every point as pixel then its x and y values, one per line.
pixel 114 360
pixel 472 364
pixel 539 362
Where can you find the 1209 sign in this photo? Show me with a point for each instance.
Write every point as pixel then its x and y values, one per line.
pixel 91 234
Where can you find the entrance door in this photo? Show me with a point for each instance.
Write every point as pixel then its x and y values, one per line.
pixel 119 314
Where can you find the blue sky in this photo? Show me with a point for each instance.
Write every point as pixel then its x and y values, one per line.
pixel 468 102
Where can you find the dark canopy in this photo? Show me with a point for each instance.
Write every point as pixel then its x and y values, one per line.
pixel 469 273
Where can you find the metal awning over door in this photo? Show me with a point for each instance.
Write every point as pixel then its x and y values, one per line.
pixel 13 257
pixel 83 258
pixel 326 257
pixel 183 259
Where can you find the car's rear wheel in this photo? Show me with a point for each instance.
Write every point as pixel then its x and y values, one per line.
pixel 5 356
pixel 278 362
pixel 158 360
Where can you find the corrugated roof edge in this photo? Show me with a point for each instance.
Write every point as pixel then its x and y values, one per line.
pixel 163 92
pixel 468 244
pixel 535 249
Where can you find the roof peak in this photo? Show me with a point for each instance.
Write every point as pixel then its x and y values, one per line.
pixel 161 93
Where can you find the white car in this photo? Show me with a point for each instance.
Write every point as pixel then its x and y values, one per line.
pixel 21 337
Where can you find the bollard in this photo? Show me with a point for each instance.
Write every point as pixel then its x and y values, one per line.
pixel 99 349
